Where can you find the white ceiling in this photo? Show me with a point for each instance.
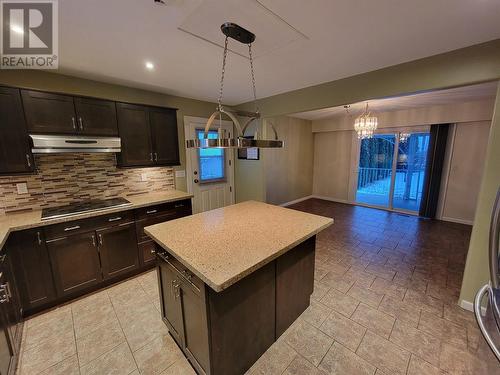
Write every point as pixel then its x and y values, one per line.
pixel 424 99
pixel 110 40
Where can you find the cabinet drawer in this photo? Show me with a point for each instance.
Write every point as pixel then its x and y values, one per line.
pixel 152 220
pixel 90 224
pixel 182 208
pixel 187 275
pixel 147 251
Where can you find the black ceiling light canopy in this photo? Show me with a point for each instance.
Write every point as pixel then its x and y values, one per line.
pixel 237 32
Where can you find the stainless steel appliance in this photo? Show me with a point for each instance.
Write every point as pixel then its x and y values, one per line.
pixel 49 144
pixel 81 207
pixel 488 318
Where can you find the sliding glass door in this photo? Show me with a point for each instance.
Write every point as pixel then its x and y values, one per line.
pixel 391 170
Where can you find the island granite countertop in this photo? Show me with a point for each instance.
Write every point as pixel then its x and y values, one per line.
pixel 224 245
pixel 32 219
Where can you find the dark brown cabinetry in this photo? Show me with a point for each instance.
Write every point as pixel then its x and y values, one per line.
pixel 48 113
pixel 32 268
pixel 75 261
pixel 118 249
pixel 148 136
pixel 15 153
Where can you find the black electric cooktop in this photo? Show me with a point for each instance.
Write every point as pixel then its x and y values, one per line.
pixel 81 207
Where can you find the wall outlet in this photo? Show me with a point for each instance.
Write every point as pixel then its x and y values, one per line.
pixel 22 188
pixel 144 177
pixel 180 174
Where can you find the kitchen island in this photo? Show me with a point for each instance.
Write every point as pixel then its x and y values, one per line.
pixel 232 280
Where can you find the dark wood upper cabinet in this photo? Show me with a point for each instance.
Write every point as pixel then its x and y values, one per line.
pixel 135 134
pixel 32 268
pixel 15 153
pixel 164 136
pixel 48 113
pixel 96 117
pixel 118 250
pixel 75 261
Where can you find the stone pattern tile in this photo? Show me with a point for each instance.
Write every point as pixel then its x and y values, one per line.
pixel 384 302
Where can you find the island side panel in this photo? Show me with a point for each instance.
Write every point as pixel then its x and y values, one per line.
pixel 242 321
pixel 294 283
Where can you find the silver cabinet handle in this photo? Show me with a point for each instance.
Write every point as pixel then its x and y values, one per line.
pixel 71 228
pixel 115 218
pixel 100 239
pixel 477 312
pixel 93 240
pixel 156 157
pixel 7 289
pixel 179 205
pixel 153 251
pixel 39 237
pixel 28 160
pixel 4 297
pixel 151 156
pixel 80 121
pixel 149 212
pixel 74 122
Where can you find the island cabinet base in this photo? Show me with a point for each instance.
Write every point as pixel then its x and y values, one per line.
pixel 226 332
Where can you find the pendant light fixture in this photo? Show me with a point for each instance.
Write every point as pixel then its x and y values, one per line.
pixel 236 32
pixel 365 124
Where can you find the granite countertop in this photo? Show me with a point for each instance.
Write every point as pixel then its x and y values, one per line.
pixel 224 245
pixel 32 219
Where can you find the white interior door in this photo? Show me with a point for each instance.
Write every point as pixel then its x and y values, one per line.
pixel 209 172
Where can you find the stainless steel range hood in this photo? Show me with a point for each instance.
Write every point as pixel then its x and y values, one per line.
pixel 54 144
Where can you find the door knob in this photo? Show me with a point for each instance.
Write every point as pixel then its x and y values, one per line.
pixel 195 173
pixel 196 181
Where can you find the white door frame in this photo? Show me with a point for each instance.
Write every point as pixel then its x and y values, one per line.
pixel 188 121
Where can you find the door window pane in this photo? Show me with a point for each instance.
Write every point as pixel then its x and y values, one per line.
pixel 410 172
pixel 211 160
pixel 375 170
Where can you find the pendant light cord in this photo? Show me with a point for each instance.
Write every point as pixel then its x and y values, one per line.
pixel 253 77
pixel 219 100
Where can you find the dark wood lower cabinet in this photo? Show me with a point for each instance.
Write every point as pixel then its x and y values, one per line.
pixel 75 261
pixel 226 332
pixel 118 250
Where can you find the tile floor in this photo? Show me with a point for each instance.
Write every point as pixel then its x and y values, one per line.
pixel 386 287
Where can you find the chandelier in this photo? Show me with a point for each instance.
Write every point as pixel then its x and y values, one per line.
pixel 365 124
pixel 236 32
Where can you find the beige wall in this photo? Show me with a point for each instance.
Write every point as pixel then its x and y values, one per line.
pixel 289 171
pixel 467 151
pixel 42 80
pixel 476 269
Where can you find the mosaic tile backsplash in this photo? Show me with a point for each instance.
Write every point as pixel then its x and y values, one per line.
pixel 68 178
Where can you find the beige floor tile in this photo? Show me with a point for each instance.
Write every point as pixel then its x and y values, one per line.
pixel 340 360
pixel 275 360
pixel 56 314
pixel 300 366
pixel 157 355
pixel 365 295
pixel 443 329
pixel 91 317
pixel 457 361
pixel 181 367
pixel 383 354
pixel 50 353
pixel 343 330
pixel 400 310
pixel 340 302
pixel 384 286
pixel 339 282
pixel 424 302
pixel 98 342
pixel 458 315
pixel 362 278
pixel 316 313
pixel 420 367
pixel 320 289
pixel 49 329
pixel 373 319
pixel 90 300
pixel 380 271
pixel 417 342
pixel 69 366
pixel 309 342
pixel 118 361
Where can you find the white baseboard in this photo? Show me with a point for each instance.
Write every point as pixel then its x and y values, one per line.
pixel 296 201
pixel 331 199
pixel 466 305
pixel 459 221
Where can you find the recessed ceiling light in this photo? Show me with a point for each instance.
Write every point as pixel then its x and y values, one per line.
pixel 150 65
pixel 17 29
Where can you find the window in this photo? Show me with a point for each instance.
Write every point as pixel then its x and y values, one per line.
pixel 211 160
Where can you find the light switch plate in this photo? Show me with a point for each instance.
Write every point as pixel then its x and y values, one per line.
pixel 144 177
pixel 181 173
pixel 22 188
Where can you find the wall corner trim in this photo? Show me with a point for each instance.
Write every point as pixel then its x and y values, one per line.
pixel 286 204
pixel 469 306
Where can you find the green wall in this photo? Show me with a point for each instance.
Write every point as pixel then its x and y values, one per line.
pixel 476 269
pixel 42 80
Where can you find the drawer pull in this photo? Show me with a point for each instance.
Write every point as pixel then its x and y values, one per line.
pixel 115 218
pixel 149 212
pixel 39 237
pixel 71 228
pixel 100 239
pixel 179 205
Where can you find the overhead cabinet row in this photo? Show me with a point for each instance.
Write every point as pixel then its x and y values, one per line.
pixel 148 134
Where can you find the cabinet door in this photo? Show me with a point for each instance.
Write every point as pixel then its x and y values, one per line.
pixel 195 326
pixel 148 252
pixel 6 353
pixel 118 250
pixel 15 154
pixel 171 310
pixel 32 268
pixel 11 305
pixel 75 261
pixel 49 113
pixel 164 136
pixel 96 117
pixel 135 134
